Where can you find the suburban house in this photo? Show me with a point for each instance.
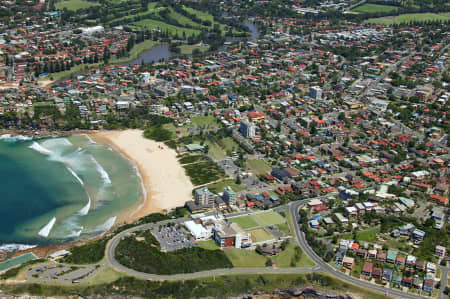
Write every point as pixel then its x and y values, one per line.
pixel 387 274
pixel 418 235
pixel 391 256
pixel 440 251
pixel 367 269
pixel 348 262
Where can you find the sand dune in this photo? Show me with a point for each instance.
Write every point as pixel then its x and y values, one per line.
pixel 165 181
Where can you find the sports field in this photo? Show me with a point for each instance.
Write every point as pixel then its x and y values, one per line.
pixel 245 222
pixel 373 8
pixel 269 218
pixel 406 18
pixel 259 220
pixel 74 5
pixel 260 235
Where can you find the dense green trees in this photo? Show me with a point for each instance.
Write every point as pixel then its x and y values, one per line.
pixel 89 253
pixel 145 256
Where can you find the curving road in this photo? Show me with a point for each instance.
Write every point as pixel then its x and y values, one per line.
pixel 293 207
pixel 329 269
pixel 112 245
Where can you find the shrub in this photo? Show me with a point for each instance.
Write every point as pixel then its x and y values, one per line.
pixel 145 256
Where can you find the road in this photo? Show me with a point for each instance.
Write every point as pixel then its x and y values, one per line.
pixel 444 280
pixel 354 5
pixel 111 260
pixel 293 207
pixel 321 265
pixel 330 270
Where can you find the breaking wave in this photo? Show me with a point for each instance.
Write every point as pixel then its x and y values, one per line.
pixel 39 148
pixel 102 171
pixel 89 139
pixel 45 231
pixel 107 225
pixel 85 210
pixel 9 138
pixel 15 247
pixel 75 233
pixel 75 175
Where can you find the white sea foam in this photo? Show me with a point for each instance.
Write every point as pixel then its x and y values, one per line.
pixel 5 137
pixel 85 210
pixel 45 231
pixel 57 150
pixel 144 191
pixel 56 143
pixel 39 148
pixel 9 138
pixel 89 139
pixel 15 247
pixel 102 171
pixel 66 141
pixel 75 233
pixel 75 175
pixel 107 225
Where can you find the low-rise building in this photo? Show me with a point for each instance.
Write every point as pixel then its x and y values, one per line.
pixel 440 251
pixel 348 262
pixel 197 230
pixel 418 235
pixel 387 274
pixel 391 256
pixel 367 269
pixel 229 234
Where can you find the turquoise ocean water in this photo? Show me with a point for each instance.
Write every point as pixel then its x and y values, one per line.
pixel 56 190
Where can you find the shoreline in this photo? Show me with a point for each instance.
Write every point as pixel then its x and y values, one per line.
pixel 37 134
pixel 126 216
pixel 164 182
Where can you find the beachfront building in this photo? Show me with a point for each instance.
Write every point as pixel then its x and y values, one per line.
pixel 229 196
pixel 203 196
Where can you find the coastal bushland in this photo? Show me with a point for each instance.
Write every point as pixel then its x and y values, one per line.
pixel 89 253
pixel 141 252
pixel 206 287
pixel 94 251
pixel 203 172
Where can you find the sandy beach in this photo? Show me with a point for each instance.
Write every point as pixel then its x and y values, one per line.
pixel 166 183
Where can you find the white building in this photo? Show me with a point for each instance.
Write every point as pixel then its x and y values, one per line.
pixel 247 129
pixel 315 92
pixel 197 230
pixel 186 89
pixel 123 105
pixel 92 30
